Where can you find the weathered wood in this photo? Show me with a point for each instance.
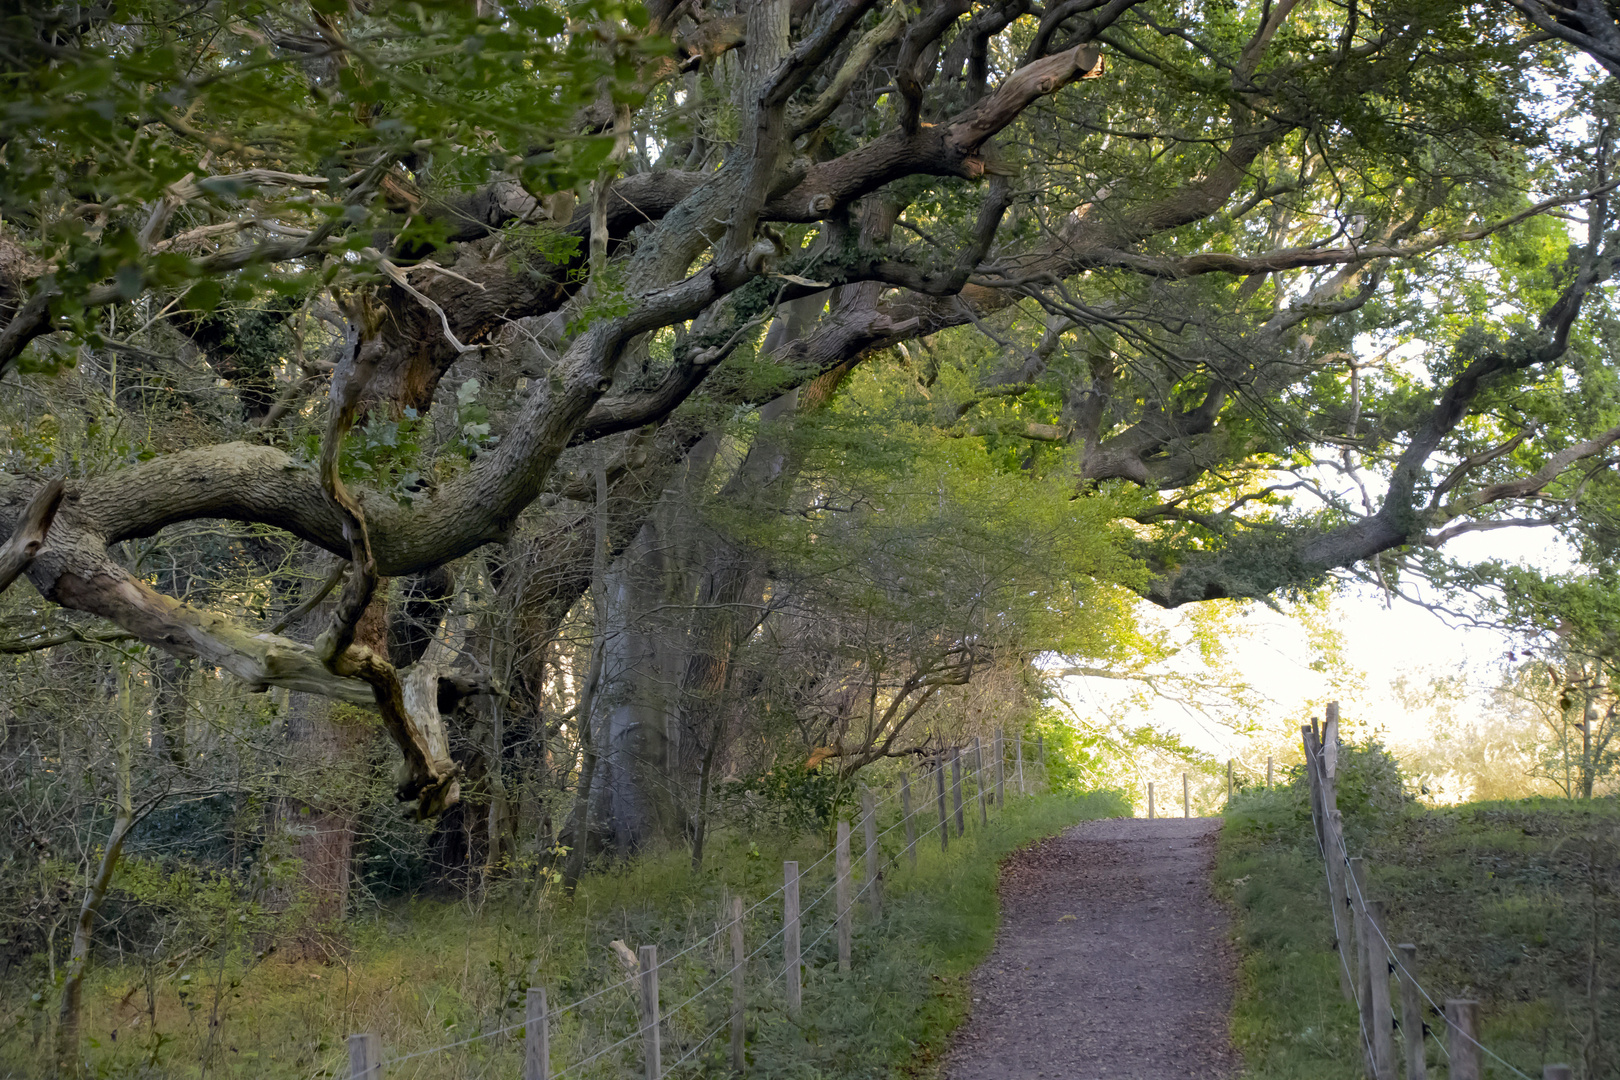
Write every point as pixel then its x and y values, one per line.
pixel 911 822
pixel 652 1053
pixel 1268 772
pixel 874 872
pixel 1340 894
pixel 739 971
pixel 842 895
pixel 1462 1039
pixel 29 534
pixel 536 1036
pixel 1018 758
pixel 1040 754
pixel 956 791
pixel 1307 736
pixel 1330 745
pixel 1381 1011
pixel 1186 796
pixel 1364 976
pixel 790 936
pixel 1411 1014
pixel 365 1057
pixel 944 824
pixel 1556 1072
pixel 978 780
pixel 1228 780
pixel 1000 756
pixel 1150 801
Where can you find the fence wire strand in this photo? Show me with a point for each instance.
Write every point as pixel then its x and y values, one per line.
pixel 1393 955
pixel 977 775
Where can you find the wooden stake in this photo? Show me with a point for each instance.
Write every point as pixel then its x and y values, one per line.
pixel 1462 1023
pixel 956 790
pixel 1018 757
pixel 1150 800
pixel 1268 772
pixel 365 1057
pixel 739 961
pixel 1186 797
pixel 911 822
pixel 1001 769
pixel 845 917
pixel 1340 891
pixel 944 825
pixel 978 780
pixel 874 874
pixel 1363 976
pixel 536 1035
pixel 1556 1072
pixel 1411 1014
pixel 790 935
pixel 653 1055
pixel 1382 1014
pixel 1228 779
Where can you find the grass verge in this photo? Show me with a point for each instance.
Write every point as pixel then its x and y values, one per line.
pixel 1512 903
pixel 423 974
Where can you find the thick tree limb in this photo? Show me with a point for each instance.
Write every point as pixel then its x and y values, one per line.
pixel 28 534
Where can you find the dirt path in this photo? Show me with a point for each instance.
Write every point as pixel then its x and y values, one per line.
pixel 1112 961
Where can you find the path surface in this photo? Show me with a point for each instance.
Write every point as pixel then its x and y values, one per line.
pixel 1112 961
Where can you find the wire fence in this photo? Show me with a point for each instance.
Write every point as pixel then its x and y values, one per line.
pixel 1379 958
pixel 988 777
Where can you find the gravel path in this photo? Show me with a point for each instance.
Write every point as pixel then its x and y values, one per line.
pixel 1112 961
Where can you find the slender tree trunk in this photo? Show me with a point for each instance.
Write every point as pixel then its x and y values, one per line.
pixel 574 866
pixel 326 753
pixel 67 1029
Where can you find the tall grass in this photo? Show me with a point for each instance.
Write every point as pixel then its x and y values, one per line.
pixel 424 974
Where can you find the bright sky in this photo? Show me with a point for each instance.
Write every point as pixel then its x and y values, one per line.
pixel 1385 642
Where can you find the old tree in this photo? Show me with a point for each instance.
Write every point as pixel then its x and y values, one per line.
pixel 599 393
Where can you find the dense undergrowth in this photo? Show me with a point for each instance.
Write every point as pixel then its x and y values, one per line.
pixel 1516 904
pixel 423 974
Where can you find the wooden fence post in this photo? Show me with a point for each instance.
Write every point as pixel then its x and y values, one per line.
pixel 536 1036
pixel 1150 800
pixel 365 1057
pixel 790 935
pixel 739 960
pixel 1330 844
pixel 1000 756
pixel 1186 797
pixel 1411 1014
pixel 1268 772
pixel 1358 915
pixel 1307 736
pixel 1040 753
pixel 1018 758
pixel 874 872
pixel 845 917
pixel 1462 1033
pixel 944 824
pixel 1344 921
pixel 1228 779
pixel 1382 1013
pixel 1556 1072
pixel 911 823
pixel 978 780
pixel 956 791
pixel 653 1056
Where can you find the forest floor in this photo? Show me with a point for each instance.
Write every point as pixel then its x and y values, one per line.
pixel 1113 961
